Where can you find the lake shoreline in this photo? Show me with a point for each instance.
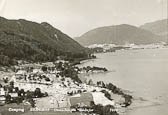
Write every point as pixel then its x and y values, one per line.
pixel 133 80
pixel 114 89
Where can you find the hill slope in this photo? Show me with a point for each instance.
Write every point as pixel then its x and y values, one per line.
pixel 119 34
pixel 21 39
pixel 158 27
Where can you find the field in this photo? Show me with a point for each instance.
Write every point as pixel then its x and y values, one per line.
pixel 84 98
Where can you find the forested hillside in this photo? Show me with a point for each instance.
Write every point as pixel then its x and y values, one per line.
pixel 26 40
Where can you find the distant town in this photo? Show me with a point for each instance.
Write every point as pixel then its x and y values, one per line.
pixel 102 48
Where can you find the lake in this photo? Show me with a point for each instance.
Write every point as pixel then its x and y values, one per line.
pixel 144 73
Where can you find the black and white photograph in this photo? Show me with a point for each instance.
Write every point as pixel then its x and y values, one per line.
pixel 83 57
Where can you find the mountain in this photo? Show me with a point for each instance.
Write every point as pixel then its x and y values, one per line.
pixel 118 34
pixel 158 27
pixel 26 40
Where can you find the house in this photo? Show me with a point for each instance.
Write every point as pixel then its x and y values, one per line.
pixel 45 82
pixel 13 95
pixel 21 72
pixel 2 92
pixel 2 100
pixel 37 71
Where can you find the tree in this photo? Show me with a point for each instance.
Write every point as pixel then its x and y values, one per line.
pixel 47 79
pixel 62 79
pixel 109 110
pixel 92 104
pixel 79 91
pixel 29 95
pixel 44 68
pixel 5 80
pixel 10 89
pixel 8 99
pixel 90 82
pixel 108 95
pixel 59 65
pixel 0 85
pixel 12 84
pixel 4 60
pixel 16 89
pixel 103 85
pixel 32 102
pixel 98 83
pixel 19 100
pixel 45 94
pixel 37 92
pixel 104 110
pixel 98 109
pixel 21 92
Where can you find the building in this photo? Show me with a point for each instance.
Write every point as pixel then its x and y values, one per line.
pixel 2 100
pixel 2 92
pixel 21 72
pixel 13 95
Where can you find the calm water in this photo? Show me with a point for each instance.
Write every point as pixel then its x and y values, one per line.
pixel 142 72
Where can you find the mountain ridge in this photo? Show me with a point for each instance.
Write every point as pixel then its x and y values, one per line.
pixel 118 34
pixel 159 27
pixel 27 40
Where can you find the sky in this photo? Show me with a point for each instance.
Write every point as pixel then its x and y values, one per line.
pixel 75 17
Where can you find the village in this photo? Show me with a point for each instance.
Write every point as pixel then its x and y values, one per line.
pixel 103 48
pixel 56 85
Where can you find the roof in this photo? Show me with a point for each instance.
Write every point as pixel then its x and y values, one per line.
pixel 2 91
pixel 13 94
pixel 21 72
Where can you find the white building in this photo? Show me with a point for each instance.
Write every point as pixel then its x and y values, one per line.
pixel 2 92
pixel 2 100
pixel 13 95
pixel 21 72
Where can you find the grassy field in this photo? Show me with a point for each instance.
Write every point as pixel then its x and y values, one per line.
pixel 84 98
